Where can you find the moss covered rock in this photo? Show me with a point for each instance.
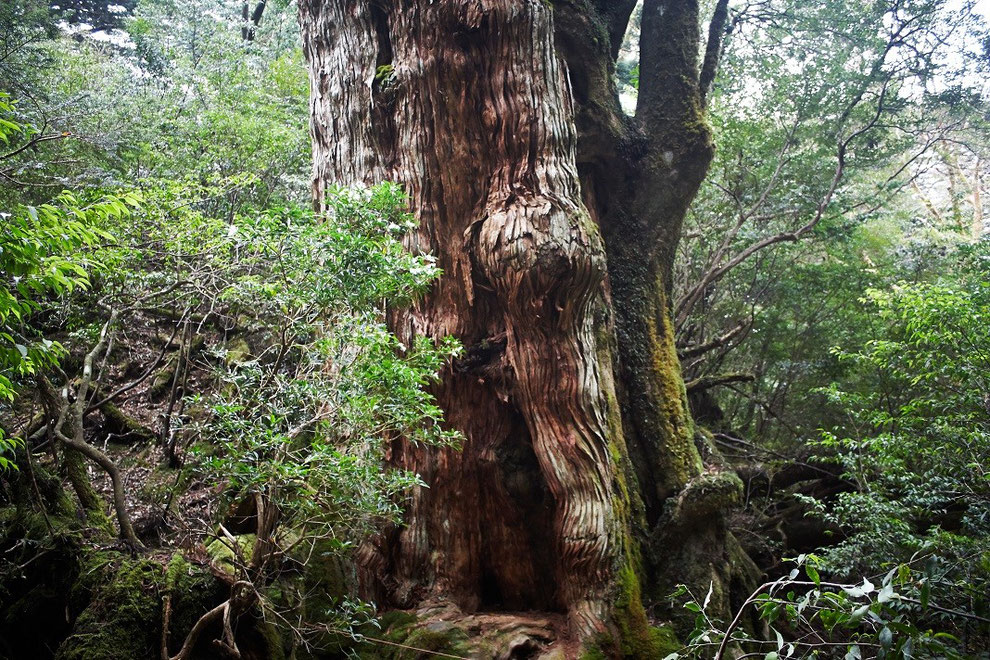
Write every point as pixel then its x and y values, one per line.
pixel 192 591
pixel 122 427
pixel 39 563
pixel 123 617
pixel 238 351
pixel 223 554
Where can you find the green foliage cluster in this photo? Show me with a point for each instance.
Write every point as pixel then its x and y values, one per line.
pixel 812 618
pixel 910 437
pixel 45 251
pixel 917 437
pixel 837 255
pixel 302 422
pixel 43 255
pixel 186 151
pixel 896 86
pixel 314 385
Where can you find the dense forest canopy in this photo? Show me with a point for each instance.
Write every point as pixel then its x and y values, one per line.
pixel 495 329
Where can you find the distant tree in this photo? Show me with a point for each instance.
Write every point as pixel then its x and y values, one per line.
pixel 829 116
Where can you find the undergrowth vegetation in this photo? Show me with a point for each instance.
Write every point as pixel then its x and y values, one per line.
pixel 183 323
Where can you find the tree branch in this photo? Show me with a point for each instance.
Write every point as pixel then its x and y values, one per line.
pixel 717 33
pixel 615 15
pixel 76 440
pixel 251 23
pixel 129 386
pixel 725 338
pixel 708 382
pixel 34 141
pixel 242 596
pixel 668 62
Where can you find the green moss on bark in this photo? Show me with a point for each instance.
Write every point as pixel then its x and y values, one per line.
pixel 439 636
pixel 223 554
pixel 119 604
pixel 708 494
pixel 409 640
pixel 123 426
pixel 92 503
pixel 123 618
pixel 637 638
pixel 193 591
pixel 673 424
pixel 326 580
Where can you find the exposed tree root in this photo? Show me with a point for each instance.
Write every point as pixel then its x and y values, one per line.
pixel 243 596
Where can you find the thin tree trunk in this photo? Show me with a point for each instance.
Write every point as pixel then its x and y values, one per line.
pixel 976 198
pixel 69 429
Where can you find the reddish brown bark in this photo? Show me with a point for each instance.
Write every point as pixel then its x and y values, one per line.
pixel 484 111
pixel 467 105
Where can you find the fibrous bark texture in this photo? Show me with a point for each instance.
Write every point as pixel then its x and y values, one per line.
pixel 468 106
pixel 500 118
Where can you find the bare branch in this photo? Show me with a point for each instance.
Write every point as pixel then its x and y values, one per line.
pixel 708 382
pixel 722 340
pixel 134 383
pixel 77 441
pixel 37 139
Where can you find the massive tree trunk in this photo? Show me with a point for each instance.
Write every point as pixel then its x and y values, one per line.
pixel 554 218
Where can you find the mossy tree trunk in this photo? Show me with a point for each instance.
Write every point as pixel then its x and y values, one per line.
pixel 555 218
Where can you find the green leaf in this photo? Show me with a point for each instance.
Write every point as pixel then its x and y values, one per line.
pixel 708 597
pixel 857 615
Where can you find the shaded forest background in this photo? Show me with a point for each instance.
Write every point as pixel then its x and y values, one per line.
pixel 198 385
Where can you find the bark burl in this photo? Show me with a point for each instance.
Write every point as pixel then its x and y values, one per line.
pixel 554 216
